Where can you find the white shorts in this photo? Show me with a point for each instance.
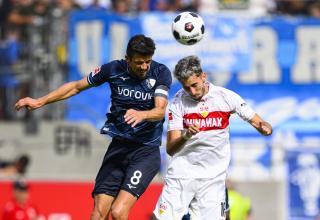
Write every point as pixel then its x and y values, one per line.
pixel 204 199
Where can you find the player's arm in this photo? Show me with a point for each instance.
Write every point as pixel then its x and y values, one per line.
pixel 177 138
pixel 63 92
pixel 159 110
pixel 133 117
pixel 262 126
pixel 246 113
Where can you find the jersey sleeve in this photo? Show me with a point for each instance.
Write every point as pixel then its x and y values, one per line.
pixel 163 82
pixel 175 114
pixel 239 106
pixel 99 75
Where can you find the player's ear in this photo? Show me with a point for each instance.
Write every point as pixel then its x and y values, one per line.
pixel 204 76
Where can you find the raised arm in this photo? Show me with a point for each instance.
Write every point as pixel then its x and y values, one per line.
pixel 262 126
pixel 134 117
pixel 63 92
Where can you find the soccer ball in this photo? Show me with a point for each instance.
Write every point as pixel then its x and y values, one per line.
pixel 188 28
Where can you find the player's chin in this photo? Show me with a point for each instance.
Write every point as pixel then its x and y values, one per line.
pixel 196 97
pixel 142 75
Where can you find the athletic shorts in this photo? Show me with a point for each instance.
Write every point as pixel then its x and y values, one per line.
pixel 127 166
pixel 204 199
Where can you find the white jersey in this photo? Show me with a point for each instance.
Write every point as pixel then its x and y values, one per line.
pixel 206 154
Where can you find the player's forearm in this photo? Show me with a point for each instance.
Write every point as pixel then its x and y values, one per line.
pixel 176 140
pixel 262 126
pixel 175 146
pixel 63 92
pixel 155 114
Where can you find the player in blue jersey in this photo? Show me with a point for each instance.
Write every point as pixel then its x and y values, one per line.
pixel 139 91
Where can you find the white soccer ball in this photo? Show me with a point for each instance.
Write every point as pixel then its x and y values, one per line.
pixel 188 28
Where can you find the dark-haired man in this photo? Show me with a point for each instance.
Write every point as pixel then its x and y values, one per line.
pixel 139 90
pixel 20 207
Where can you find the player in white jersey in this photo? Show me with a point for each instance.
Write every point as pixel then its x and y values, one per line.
pixel 198 141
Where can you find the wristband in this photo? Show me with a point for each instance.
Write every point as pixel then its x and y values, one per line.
pixel 185 136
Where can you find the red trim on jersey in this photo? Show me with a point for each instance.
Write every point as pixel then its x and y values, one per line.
pixel 97 70
pixel 208 121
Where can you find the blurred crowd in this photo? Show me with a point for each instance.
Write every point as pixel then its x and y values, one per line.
pixel 34 33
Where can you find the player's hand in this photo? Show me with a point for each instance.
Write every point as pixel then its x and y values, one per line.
pixel 29 103
pixel 192 130
pixel 265 128
pixel 133 117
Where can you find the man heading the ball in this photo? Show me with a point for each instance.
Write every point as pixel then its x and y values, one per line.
pixel 198 141
pixel 139 90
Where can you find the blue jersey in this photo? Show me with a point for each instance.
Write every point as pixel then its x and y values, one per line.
pixel 128 92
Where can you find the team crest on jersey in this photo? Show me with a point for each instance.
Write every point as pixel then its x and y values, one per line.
pixel 162 208
pixel 204 111
pixel 204 114
pixel 150 83
pixel 170 116
pixel 96 70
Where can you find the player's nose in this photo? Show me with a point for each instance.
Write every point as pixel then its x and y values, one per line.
pixel 193 91
pixel 144 66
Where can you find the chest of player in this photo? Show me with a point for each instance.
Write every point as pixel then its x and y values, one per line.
pixel 208 113
pixel 127 89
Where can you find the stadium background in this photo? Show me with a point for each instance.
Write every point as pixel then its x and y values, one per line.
pixel 273 62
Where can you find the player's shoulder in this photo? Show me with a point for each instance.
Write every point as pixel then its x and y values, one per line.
pixel 222 91
pixel 114 66
pixel 179 96
pixel 158 68
pixel 155 64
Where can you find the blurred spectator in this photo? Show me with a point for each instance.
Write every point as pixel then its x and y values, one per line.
pixel 208 6
pixel 15 168
pixel 96 5
pixel 314 10
pixel 169 5
pixel 105 4
pixel 239 205
pixel 19 207
pixel 20 17
pixel 68 5
pixel 121 6
pixel 186 5
pixel 155 5
pixel 59 26
pixel 5 8
pixel 261 7
pixel 293 7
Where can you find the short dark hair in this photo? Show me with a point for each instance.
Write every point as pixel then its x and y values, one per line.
pixel 22 163
pixel 142 45
pixel 20 185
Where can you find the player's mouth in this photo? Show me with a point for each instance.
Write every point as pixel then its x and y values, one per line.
pixel 142 73
pixel 196 97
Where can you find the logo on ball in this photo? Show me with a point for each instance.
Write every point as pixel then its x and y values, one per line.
pixel 188 27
